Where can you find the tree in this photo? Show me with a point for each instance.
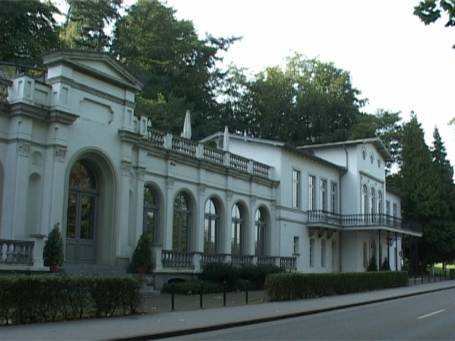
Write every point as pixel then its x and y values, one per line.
pixel 307 101
pixel 141 261
pixel 27 30
pixel 179 70
pixel 429 11
pixel 86 21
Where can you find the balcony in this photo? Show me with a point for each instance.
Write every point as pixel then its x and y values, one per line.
pixel 337 221
pixel 16 252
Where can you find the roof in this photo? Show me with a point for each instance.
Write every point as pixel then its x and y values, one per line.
pixel 280 144
pixel 376 141
pixel 81 59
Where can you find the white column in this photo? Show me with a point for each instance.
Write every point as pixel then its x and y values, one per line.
pixel 139 203
pixel 123 210
pixel 251 228
pixel 166 230
pixel 226 224
pixel 198 221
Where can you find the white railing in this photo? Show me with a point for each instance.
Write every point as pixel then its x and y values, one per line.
pixel 260 169
pixel 214 155
pixel 242 259
pixel 213 258
pixel 16 252
pixel 238 162
pixel 288 263
pixel 184 146
pixel 266 260
pixel 173 259
pixel 156 137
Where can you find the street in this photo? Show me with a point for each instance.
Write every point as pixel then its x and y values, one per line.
pixel 423 317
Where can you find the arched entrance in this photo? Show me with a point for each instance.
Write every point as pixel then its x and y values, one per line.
pixel 82 213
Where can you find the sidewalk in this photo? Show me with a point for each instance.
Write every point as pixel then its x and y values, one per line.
pixel 166 324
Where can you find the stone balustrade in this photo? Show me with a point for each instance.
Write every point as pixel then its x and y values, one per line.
pixel 16 252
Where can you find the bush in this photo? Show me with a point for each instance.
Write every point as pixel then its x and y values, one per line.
pixel 288 286
pixel 251 276
pixel 141 260
pixel 53 249
pixel 451 273
pixel 385 265
pixel 25 299
pixel 193 287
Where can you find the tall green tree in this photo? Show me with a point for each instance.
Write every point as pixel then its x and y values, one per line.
pixel 86 22
pixel 180 71
pixel 27 30
pixel 307 101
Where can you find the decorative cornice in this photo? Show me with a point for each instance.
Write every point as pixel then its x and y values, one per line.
pixel 63 117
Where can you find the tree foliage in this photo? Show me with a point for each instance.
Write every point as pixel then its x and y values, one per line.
pixel 178 68
pixel 27 30
pixel 86 22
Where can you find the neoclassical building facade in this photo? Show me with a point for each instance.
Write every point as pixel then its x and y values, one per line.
pixel 74 153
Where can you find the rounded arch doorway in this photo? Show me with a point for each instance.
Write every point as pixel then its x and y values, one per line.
pixel 82 213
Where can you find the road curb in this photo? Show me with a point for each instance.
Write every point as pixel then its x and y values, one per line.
pixel 227 325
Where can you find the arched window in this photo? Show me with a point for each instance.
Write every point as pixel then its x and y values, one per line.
pixel 237 223
pixel 151 212
pixel 373 201
pixel 364 199
pixel 211 226
pixel 181 225
pixel 261 225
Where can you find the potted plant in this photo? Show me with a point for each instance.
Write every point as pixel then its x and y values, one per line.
pixel 142 255
pixel 53 250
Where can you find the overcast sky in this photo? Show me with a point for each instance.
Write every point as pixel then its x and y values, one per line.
pixel 394 59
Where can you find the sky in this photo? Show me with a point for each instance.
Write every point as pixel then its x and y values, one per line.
pixel 396 61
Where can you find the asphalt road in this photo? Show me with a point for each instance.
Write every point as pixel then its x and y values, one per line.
pixel 423 317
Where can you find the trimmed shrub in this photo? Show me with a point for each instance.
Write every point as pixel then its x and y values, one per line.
pixel 193 287
pixel 220 273
pixel 25 299
pixel 141 261
pixel 53 249
pixel 372 266
pixel 256 274
pixel 451 273
pixel 385 265
pixel 288 286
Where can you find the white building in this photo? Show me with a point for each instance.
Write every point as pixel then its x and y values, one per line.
pixel 73 152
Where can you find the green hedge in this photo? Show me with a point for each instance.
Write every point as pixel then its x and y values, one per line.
pixel 288 286
pixel 235 277
pixel 25 299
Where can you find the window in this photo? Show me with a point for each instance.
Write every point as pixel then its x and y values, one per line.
pixel 323 250
pixel 323 184
pixel 181 224
pixel 260 232
pixel 364 154
pixel 365 255
pixel 371 158
pixel 387 207
pixel 380 202
pixel 373 201
pixel 237 222
pixel 296 245
pixel 295 188
pixel 211 228
pixel 151 212
pixel 334 197
pixel 364 201
pixel 395 210
pixel 379 163
pixel 311 252
pixel 311 192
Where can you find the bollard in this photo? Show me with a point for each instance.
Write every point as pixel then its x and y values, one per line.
pixel 224 296
pixel 246 296
pixel 172 298
pixel 201 303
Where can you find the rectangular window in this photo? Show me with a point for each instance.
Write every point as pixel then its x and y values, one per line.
pixel 395 210
pixel 296 245
pixel 323 189
pixel 311 252
pixel 311 192
pixel 387 207
pixel 323 250
pixel 295 188
pixel 334 197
